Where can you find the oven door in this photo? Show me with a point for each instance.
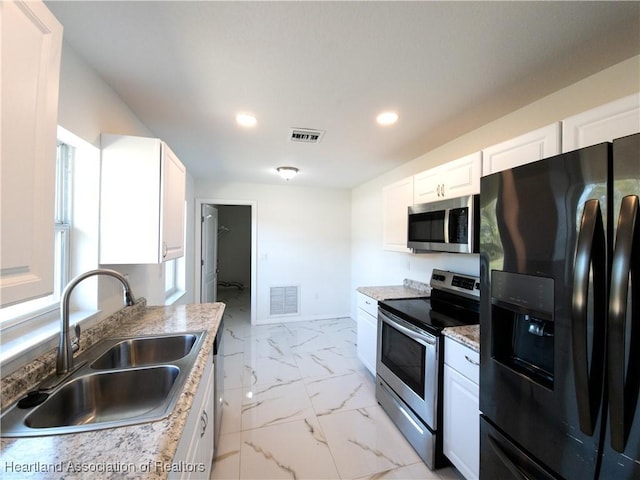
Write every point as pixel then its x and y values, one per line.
pixel 407 360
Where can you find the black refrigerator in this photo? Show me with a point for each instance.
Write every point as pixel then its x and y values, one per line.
pixel 560 317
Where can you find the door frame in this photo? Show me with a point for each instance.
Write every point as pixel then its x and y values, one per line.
pixel 254 242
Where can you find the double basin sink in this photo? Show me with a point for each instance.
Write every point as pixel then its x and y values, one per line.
pixel 122 381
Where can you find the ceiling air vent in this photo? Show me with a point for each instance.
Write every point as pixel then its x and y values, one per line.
pixel 305 135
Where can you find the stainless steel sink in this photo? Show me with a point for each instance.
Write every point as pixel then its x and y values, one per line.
pixel 124 381
pixel 137 352
pixel 105 397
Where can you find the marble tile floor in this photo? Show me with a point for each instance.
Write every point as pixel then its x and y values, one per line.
pixel 300 405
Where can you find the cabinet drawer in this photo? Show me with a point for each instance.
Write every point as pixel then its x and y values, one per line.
pixel 368 304
pixel 462 359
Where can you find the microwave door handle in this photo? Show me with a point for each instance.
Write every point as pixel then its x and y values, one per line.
pixel 623 395
pixel 590 254
pixel 447 211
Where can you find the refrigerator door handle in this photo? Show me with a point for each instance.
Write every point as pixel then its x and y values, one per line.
pixel 589 276
pixel 623 393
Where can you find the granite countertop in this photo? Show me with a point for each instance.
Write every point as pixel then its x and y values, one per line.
pixel 142 451
pixel 409 289
pixel 468 335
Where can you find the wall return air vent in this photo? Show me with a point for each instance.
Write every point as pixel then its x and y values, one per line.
pixel 305 135
pixel 284 300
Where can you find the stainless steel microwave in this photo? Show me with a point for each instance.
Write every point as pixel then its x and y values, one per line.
pixel 451 225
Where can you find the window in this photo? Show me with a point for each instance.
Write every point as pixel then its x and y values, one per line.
pixel 25 311
pixel 29 329
pixel 174 280
pixel 63 214
pixel 170 277
pixel 174 272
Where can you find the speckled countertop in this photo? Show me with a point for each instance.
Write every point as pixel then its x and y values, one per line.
pixel 409 289
pixel 142 451
pixel 468 335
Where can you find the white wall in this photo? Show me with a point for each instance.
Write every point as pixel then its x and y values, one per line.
pixel 189 245
pixel 303 238
pixel 87 108
pixel 370 265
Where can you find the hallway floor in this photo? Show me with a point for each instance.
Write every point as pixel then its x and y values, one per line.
pixel 300 405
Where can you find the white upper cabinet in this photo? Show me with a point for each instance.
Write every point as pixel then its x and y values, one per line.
pixel 31 40
pixel 396 199
pixel 173 206
pixel 453 179
pixel 602 124
pixel 541 143
pixel 141 201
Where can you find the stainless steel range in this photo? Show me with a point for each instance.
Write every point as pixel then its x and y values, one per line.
pixel 410 356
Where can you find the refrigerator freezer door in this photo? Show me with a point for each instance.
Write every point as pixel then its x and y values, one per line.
pixel 531 218
pixel 502 459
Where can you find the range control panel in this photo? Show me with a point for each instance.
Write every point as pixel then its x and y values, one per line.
pixel 467 285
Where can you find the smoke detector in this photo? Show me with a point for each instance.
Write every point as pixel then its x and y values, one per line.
pixel 305 135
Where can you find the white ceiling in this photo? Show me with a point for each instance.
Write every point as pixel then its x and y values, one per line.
pixel 187 68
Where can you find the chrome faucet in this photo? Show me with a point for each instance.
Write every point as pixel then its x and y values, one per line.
pixel 64 361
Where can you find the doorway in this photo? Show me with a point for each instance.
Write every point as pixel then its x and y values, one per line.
pixel 209 254
pixel 235 242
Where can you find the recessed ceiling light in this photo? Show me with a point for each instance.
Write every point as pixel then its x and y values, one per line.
pixel 387 118
pixel 246 120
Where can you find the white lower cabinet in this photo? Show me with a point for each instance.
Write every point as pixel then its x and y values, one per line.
pixel 461 414
pixel 194 455
pixel 367 331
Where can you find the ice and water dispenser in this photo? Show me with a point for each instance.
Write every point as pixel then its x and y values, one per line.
pixel 522 325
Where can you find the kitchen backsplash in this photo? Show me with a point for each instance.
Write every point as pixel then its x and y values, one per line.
pixel 416 285
pixel 19 382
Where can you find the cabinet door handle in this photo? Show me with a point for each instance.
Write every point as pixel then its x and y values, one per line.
pixel 442 189
pixel 164 249
pixel 471 361
pixel 438 190
pixel 204 418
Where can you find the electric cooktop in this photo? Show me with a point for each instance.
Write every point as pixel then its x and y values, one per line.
pixel 454 302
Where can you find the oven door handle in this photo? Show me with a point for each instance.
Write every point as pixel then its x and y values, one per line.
pixel 414 333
